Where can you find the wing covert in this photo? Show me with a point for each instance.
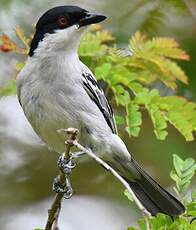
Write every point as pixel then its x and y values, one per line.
pixel 96 93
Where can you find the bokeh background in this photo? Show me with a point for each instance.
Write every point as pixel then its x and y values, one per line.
pixel 27 168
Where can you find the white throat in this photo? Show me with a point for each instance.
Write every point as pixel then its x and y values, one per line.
pixel 61 42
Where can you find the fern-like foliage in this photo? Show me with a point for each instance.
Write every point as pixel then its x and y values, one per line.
pixel 156 13
pixel 129 77
pixel 182 174
pixel 156 55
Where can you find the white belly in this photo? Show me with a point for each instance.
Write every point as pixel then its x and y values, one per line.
pixel 48 111
pixel 47 114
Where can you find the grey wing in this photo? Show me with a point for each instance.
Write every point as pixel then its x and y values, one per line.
pixel 96 93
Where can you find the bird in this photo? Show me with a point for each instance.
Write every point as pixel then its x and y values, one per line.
pixel 56 90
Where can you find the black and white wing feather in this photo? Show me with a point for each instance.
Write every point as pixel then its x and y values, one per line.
pixel 96 93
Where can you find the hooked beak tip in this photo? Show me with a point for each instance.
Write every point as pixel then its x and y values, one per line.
pixel 91 18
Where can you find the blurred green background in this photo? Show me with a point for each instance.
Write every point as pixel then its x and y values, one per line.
pixel 27 167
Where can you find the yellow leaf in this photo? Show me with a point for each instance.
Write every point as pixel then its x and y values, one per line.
pixel 7 45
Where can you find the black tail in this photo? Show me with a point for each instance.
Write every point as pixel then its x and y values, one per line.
pixel 152 196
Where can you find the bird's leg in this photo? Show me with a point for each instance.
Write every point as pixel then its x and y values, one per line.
pixel 66 167
pixel 65 188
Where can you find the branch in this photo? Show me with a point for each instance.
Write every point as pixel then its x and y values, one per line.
pixel 53 212
pixel 114 173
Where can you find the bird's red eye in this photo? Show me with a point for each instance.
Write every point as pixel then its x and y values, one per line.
pixel 63 21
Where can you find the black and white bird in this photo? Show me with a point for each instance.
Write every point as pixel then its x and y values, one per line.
pixel 56 90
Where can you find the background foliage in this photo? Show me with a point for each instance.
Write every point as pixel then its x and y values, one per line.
pixel 182 174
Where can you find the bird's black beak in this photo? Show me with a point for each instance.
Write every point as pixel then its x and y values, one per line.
pixel 91 18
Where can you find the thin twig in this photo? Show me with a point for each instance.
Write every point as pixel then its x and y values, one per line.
pixel 114 173
pixel 54 211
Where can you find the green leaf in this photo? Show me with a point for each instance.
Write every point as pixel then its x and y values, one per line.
pixel 160 221
pixel 183 187
pixel 188 164
pixel 194 196
pixel 191 209
pixel 133 119
pixel 120 120
pixel 189 171
pixel 155 56
pixel 101 72
pixel 183 173
pixel 158 120
pixel 93 44
pixel 174 176
pixel 142 97
pixel 142 224
pixel 178 164
pixel 135 87
pixel 166 47
pixel 181 124
pixel 121 95
pixel 187 177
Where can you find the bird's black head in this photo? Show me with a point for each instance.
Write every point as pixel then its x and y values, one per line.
pixel 61 18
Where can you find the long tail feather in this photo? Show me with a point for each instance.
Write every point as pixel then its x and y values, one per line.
pixel 153 197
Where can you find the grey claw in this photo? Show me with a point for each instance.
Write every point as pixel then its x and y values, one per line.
pixel 65 166
pixel 57 186
pixel 69 191
pixel 71 164
pixel 65 188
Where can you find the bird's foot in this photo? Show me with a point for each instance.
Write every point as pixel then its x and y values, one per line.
pixel 64 188
pixel 66 167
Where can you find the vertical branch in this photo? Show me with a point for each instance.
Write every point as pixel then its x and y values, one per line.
pixel 54 211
